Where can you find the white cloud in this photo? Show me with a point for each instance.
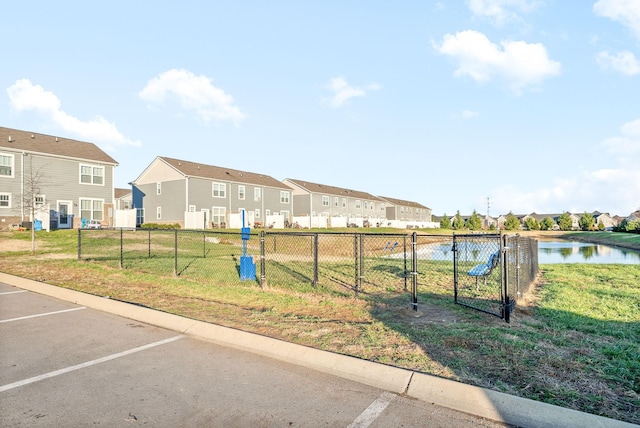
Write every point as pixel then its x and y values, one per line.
pixel 468 114
pixel 624 62
pixel 519 63
pixel 627 12
pixel 342 91
pixel 25 96
pixel 194 93
pixel 615 190
pixel 501 11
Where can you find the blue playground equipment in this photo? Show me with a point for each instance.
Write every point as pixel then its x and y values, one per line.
pixel 247 266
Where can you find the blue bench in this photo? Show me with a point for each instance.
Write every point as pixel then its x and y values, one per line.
pixel 483 270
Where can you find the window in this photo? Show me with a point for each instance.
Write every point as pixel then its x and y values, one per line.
pixel 5 200
pixel 336 201
pixel 257 194
pixel 219 190
pixel 344 202
pixel 257 213
pixel 284 197
pixel 92 209
pixel 325 201
pixel 158 213
pixel 267 213
pixel 6 165
pixel 192 208
pixel 241 192
pixel 158 188
pixel 366 205
pixel 218 215
pixel 92 174
pixel 358 203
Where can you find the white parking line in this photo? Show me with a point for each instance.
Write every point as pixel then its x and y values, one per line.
pixel 12 292
pixel 372 412
pixel 42 315
pixel 87 364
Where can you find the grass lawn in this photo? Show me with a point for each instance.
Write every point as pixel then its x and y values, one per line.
pixel 574 342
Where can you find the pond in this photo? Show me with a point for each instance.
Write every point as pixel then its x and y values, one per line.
pixel 551 252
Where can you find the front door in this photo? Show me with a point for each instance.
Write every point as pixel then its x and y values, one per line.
pixel 65 216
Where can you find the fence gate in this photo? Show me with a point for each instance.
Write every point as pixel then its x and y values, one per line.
pixel 479 280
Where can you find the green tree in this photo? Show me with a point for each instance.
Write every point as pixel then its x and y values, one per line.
pixel 531 224
pixel 458 221
pixel 512 222
pixel 564 222
pixel 547 223
pixel 586 222
pixel 445 223
pixel 474 222
pixel 601 225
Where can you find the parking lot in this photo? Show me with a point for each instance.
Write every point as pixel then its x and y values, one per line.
pixel 64 364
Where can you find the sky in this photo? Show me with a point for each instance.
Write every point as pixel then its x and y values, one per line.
pixel 491 106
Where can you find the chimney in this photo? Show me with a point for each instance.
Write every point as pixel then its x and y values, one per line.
pixel 10 140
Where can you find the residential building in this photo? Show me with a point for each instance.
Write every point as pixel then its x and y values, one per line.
pixel 313 199
pixel 62 181
pixel 170 188
pixel 123 199
pixel 398 209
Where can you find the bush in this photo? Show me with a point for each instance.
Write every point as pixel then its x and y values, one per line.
pixel 160 226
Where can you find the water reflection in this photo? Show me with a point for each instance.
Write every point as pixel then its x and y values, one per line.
pixel 550 252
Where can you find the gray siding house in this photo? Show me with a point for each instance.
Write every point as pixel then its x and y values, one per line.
pixel 313 199
pixel 397 209
pixel 168 188
pixel 68 180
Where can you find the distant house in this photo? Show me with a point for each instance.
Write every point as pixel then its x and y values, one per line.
pixel 70 181
pixel 313 199
pixel 605 219
pixel 123 199
pixel 169 188
pixel 398 209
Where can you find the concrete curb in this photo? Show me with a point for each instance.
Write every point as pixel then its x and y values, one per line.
pixel 474 400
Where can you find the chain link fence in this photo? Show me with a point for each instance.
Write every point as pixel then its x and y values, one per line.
pixel 467 268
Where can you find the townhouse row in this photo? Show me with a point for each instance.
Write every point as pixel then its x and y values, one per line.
pixel 66 183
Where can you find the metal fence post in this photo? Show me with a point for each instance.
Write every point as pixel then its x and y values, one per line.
pixel 404 237
pixel 79 244
pixel 414 271
pixel 361 264
pixel 121 248
pixel 355 264
pixel 315 260
pixel 454 250
pixel 262 260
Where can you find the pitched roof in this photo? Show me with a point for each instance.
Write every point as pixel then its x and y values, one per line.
pixel 194 169
pixel 402 202
pixel 120 192
pixel 32 142
pixel 332 190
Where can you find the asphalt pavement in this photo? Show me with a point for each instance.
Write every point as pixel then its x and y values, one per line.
pixel 72 359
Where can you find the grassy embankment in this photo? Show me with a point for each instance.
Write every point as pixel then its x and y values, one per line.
pixel 575 342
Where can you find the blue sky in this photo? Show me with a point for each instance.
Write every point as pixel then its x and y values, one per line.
pixel 531 104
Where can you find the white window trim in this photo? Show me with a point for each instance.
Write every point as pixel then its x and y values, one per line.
pixel 257 194
pixel 284 197
pixel 9 199
pixel 242 192
pixel 159 188
pixel 12 166
pixel 222 190
pixel 158 213
pixel 104 178
pixel 92 201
